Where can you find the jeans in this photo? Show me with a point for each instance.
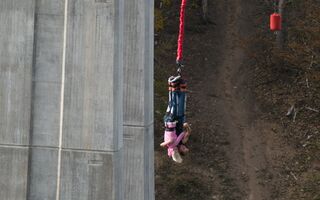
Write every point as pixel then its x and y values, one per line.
pixel 177 103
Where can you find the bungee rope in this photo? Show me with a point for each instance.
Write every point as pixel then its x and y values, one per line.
pixel 181 32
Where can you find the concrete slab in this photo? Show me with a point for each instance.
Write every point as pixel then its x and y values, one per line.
pixel 91 175
pixel 16 54
pixel 93 164
pixel 138 63
pixel 43 174
pixel 46 114
pixel 93 85
pixel 138 163
pixel 47 72
pixel 50 7
pixel 138 101
pixel 48 52
pixel 13 172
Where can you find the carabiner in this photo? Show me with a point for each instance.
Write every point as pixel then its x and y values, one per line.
pixel 180 66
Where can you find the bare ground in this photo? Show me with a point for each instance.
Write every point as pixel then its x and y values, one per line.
pixel 235 154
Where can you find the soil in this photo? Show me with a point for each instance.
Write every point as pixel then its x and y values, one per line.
pixel 235 153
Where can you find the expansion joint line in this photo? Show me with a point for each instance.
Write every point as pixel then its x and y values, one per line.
pixel 63 69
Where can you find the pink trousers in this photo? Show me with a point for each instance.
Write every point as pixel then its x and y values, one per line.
pixel 175 140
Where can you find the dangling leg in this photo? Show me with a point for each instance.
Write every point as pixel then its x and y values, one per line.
pixel 181 135
pixel 166 143
pixel 187 130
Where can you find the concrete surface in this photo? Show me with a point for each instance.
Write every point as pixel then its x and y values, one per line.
pixel 63 120
pixel 16 59
pixel 14 170
pixel 138 100
pixel 138 163
pixel 94 73
pixel 138 63
pixel 16 55
pixel 42 173
pixel 48 48
pixel 90 175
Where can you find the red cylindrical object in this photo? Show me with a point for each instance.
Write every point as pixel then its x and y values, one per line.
pixel 275 22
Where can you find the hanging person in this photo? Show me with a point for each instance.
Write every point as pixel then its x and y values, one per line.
pixel 177 130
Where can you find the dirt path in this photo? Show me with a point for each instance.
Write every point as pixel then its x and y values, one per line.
pixel 234 107
pixel 247 152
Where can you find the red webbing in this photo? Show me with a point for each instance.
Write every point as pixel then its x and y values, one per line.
pixel 181 31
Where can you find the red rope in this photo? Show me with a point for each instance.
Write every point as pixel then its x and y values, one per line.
pixel 181 31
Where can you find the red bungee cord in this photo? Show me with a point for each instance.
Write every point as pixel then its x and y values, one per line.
pixel 181 32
